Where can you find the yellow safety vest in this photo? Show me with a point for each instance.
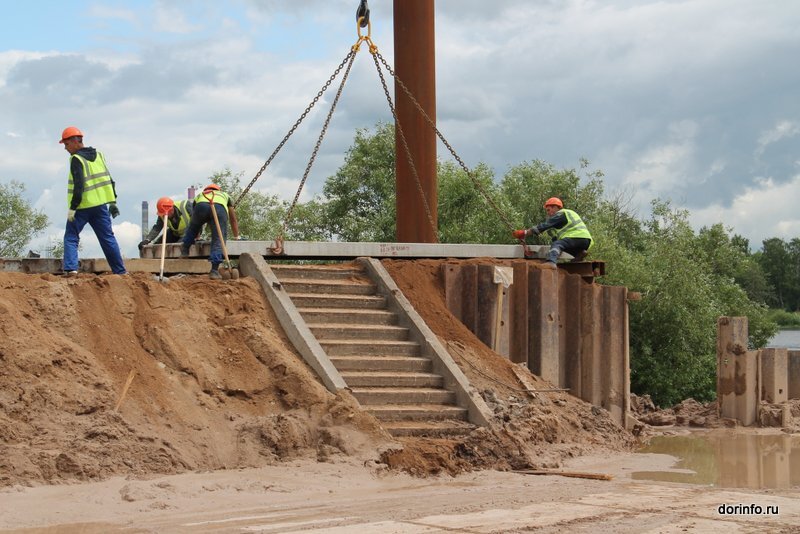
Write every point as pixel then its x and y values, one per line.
pixel 98 188
pixel 183 218
pixel 574 228
pixel 219 197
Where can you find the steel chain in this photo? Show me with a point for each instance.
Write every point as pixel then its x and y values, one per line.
pixel 348 58
pixel 316 147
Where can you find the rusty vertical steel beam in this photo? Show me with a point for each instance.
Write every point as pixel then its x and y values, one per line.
pixel 613 354
pixel 415 66
pixel 486 301
pixel 590 345
pixel 469 297
pixel 543 358
pixel 452 289
pixel 570 340
pixel 731 344
pixel 518 314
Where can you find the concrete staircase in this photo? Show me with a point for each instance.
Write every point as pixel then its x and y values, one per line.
pixel 381 366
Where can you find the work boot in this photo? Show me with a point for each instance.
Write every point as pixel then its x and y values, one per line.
pixel 70 273
pixel 580 256
pixel 214 275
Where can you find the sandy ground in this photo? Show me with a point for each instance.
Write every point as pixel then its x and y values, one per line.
pixel 226 429
pixel 343 496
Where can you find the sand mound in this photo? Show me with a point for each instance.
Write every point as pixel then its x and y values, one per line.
pixel 216 385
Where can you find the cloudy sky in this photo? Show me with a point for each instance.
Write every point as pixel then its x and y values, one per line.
pixel 694 101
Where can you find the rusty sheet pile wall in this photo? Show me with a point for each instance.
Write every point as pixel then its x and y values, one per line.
pixel 567 330
pixel 751 383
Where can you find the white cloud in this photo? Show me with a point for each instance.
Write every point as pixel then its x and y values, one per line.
pixel 171 19
pixel 690 101
pixel 758 213
pixel 783 129
pixel 105 12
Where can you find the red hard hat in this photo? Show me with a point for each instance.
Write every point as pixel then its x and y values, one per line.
pixel 70 131
pixel 554 201
pixel 164 205
pixel 211 187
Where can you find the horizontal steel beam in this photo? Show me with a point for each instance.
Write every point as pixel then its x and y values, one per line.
pixel 331 250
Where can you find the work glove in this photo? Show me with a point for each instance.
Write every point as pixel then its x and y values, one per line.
pixel 142 243
pixel 70 215
pixel 113 210
pixel 519 234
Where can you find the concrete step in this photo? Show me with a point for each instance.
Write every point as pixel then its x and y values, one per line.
pixel 314 300
pixel 417 412
pixel 429 429
pixel 319 272
pixel 369 347
pixel 328 287
pixel 382 363
pixel 392 379
pixel 374 332
pixel 347 315
pixel 397 395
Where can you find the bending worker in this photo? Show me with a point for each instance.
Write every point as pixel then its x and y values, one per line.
pixel 570 232
pixel 92 199
pixel 178 216
pixel 223 206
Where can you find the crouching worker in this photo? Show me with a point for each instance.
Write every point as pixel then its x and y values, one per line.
pixel 569 230
pixel 211 198
pixel 178 216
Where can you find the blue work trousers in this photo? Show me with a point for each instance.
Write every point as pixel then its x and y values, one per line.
pixel 100 221
pixel 200 216
pixel 570 245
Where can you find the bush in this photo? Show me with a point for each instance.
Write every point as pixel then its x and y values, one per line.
pixel 783 318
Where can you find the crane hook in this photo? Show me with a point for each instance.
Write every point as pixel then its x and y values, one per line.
pixel 362 14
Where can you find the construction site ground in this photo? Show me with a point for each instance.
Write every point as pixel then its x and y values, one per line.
pixel 224 428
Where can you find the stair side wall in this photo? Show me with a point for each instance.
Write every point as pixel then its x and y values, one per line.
pixel 293 324
pixel 443 364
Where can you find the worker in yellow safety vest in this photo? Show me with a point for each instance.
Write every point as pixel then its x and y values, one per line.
pixel 201 214
pixel 178 216
pixel 570 233
pixel 92 199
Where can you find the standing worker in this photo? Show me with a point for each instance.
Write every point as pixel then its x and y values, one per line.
pixel 223 206
pixel 179 214
pixel 91 198
pixel 571 234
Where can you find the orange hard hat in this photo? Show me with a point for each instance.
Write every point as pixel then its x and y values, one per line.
pixel 70 131
pixel 554 201
pixel 211 187
pixel 164 205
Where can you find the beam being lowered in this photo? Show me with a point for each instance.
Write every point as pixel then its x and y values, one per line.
pixel 324 250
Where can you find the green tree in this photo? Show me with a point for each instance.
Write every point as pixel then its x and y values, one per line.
pixel 260 216
pixel 465 215
pixel 19 222
pixel 775 261
pixel 528 185
pixel 359 200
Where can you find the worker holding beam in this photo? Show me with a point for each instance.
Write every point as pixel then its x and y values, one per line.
pixel 570 232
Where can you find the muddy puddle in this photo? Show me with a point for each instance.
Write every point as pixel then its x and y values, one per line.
pixel 728 460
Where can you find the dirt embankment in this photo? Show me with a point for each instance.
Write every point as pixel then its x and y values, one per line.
pixel 217 385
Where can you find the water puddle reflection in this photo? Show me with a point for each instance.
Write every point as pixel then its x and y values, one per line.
pixel 729 460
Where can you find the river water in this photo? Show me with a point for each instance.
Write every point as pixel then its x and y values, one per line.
pixel 729 460
pixel 786 338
